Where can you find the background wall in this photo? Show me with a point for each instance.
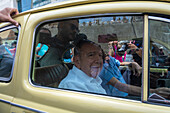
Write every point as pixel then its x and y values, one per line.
pixel 8 3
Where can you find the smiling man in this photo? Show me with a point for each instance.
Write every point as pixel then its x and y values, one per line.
pixel 84 76
pixel 88 62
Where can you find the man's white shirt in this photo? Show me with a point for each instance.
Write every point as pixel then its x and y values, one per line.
pixel 78 80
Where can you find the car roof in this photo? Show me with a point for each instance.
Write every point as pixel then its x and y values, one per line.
pixel 69 3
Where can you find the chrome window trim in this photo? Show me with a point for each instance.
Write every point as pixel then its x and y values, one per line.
pixel 75 17
pixel 7 27
pixel 159 18
pixel 5 79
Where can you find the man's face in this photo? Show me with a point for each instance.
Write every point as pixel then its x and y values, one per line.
pixel 90 60
pixel 68 29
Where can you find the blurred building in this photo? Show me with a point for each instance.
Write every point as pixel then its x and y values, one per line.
pixel 24 5
pixel 8 3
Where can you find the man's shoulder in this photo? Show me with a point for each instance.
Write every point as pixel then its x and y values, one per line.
pixel 113 60
pixel 73 77
pixel 70 82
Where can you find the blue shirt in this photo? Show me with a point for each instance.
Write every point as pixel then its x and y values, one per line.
pixel 108 72
pixel 78 80
pixel 43 49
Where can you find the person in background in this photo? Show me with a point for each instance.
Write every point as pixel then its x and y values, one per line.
pixel 67 31
pixel 6 15
pixel 119 20
pixel 114 46
pixel 13 48
pixel 114 83
pixel 6 49
pixel 6 45
pixel 41 49
pixel 6 62
pixel 124 20
pixel 112 66
pixel 161 52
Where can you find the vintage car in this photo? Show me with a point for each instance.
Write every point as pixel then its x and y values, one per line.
pixel 38 54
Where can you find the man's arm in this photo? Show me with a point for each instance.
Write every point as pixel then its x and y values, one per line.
pixel 135 48
pixel 134 90
pixel 134 66
pixel 6 15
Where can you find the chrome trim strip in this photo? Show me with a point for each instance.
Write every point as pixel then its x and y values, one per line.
pixel 5 101
pixel 7 27
pixel 28 108
pixel 21 106
pixel 159 18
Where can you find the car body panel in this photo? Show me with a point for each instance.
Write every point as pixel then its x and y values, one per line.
pixel 128 6
pixel 26 97
pixel 8 89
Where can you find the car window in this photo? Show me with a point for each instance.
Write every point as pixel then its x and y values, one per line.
pixel 159 59
pixel 8 44
pixel 120 39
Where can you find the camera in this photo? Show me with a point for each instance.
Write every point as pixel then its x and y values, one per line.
pixel 124 46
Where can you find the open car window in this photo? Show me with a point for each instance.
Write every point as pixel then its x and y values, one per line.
pixel 159 58
pixel 121 39
pixel 8 46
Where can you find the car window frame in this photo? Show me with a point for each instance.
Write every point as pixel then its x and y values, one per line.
pixel 5 28
pixel 32 59
pixel 165 19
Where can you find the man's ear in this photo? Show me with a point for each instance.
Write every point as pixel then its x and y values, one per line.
pixel 76 60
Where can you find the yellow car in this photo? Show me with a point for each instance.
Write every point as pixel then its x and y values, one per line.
pixel 36 56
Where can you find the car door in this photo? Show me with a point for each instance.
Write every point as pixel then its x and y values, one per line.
pixel 38 79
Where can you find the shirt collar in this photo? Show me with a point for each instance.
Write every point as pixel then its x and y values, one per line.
pixel 83 75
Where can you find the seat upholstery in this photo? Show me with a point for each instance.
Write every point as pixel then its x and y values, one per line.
pixel 50 75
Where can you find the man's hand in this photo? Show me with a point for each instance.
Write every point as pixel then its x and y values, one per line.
pixel 137 70
pixel 132 46
pixel 6 15
pixel 162 91
pixel 135 49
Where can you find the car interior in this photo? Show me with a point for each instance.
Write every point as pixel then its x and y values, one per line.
pixel 54 64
